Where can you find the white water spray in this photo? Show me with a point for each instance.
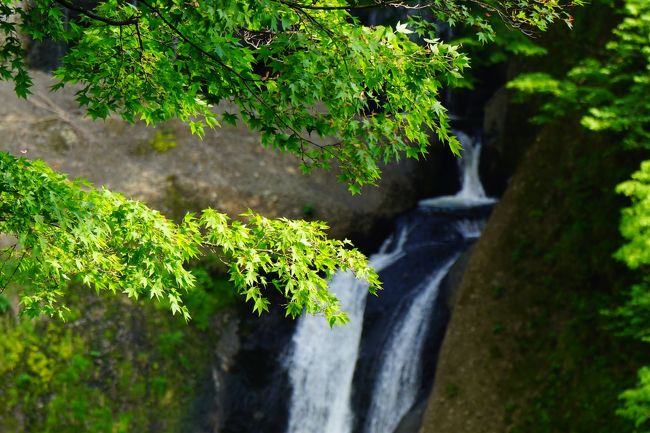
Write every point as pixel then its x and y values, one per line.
pixel 321 363
pixel 397 385
pixel 471 191
pixel 470 228
pixel 322 360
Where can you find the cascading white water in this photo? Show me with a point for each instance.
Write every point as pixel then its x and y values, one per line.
pixel 396 386
pixel 470 229
pixel 321 362
pixel 398 381
pixel 471 192
pixel 471 186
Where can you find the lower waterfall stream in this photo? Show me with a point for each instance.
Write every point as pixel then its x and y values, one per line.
pixel 366 376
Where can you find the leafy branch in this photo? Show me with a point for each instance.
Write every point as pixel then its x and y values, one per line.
pixel 98 238
pixel 179 61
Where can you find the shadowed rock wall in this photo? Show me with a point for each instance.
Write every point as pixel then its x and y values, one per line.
pixel 527 348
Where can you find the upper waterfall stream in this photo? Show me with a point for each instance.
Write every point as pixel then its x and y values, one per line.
pixel 366 376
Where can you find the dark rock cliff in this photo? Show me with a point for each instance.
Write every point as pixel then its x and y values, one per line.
pixel 527 349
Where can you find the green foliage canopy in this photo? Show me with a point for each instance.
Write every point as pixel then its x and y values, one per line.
pixel 307 75
pixel 611 91
pixel 635 313
pixel 295 70
pixel 64 232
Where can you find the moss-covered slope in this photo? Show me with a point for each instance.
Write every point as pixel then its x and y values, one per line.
pixel 527 348
pixel 114 367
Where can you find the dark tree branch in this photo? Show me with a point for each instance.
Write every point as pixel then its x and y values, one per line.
pixel 90 14
pixel 2 289
pixel 379 4
pixel 140 44
pixel 302 8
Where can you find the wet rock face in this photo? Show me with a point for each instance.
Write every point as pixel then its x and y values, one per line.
pixel 207 411
pixel 494 170
pixel 245 388
pixel 45 55
pixel 507 134
pixel 255 389
pixel 174 171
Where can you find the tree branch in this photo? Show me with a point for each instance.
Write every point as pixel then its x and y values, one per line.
pixel 196 46
pixel 352 7
pixel 2 289
pixel 90 14
pixel 245 80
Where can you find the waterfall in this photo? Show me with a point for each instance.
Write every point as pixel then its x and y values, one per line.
pixel 397 386
pixel 366 376
pixel 471 187
pixel 470 228
pixel 322 360
pixel 471 192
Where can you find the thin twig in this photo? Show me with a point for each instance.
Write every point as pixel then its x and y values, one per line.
pixel 90 14
pixel 14 272
pixel 11 253
pixel 137 31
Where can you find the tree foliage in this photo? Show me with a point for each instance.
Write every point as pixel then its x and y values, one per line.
pixel 610 91
pixel 307 75
pixel 635 313
pixel 113 366
pixel 296 71
pixel 611 95
pixel 64 232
